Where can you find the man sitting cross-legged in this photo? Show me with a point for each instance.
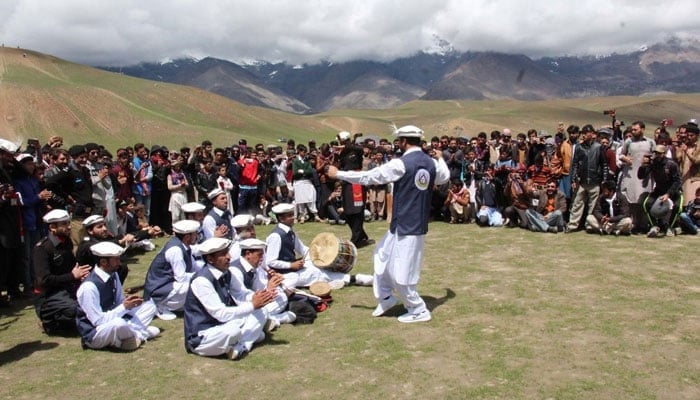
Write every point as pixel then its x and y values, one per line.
pixel 105 318
pixel 250 274
pixel 287 255
pixel 168 277
pixel 215 323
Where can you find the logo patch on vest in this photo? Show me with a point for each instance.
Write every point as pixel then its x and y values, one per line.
pixel 422 179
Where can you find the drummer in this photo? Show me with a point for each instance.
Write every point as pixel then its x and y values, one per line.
pixel 287 255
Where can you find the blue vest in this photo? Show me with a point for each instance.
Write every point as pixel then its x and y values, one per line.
pixel 412 195
pixel 287 246
pixel 219 220
pixel 248 276
pixel 196 316
pixel 108 301
pixel 160 277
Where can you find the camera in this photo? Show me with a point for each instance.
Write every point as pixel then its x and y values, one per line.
pixel 608 112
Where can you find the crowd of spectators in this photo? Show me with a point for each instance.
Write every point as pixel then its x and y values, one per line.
pixel 605 181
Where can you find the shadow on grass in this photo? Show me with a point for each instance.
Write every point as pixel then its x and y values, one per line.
pixel 431 302
pixel 435 302
pixel 23 350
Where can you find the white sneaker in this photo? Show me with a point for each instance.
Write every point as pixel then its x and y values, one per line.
pixel 236 353
pixel 166 315
pixel 286 317
pixel 384 306
pixel 153 331
pixel 130 344
pixel 408 318
pixel 653 232
pixel 336 284
pixel 364 279
pixel 270 325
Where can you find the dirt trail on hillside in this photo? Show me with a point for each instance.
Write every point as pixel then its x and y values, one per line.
pixel 354 124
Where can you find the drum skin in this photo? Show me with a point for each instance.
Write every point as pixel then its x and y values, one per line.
pixel 329 252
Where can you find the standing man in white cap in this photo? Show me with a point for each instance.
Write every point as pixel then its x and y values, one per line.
pixel 105 318
pixel 168 276
pixel 398 256
pixel 58 276
pixel 215 323
pixel 10 243
pixel 287 255
pixel 219 216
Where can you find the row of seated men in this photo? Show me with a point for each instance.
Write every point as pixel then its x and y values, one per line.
pixel 230 291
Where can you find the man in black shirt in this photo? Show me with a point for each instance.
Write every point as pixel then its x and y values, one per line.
pixel 58 276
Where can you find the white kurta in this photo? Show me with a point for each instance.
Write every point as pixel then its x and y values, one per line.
pixel 110 327
pixel 397 258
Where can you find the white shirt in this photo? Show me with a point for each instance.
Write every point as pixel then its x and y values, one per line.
pixel 238 289
pixel 204 290
pixel 209 225
pixel 274 244
pixel 89 300
pixel 392 172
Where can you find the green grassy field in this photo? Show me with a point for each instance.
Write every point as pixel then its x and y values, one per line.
pixel 516 315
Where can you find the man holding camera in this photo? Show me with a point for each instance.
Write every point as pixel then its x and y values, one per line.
pixel 660 203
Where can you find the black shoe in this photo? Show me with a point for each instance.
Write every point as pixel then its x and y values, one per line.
pixel 364 243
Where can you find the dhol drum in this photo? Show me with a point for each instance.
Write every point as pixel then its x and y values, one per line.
pixel 329 252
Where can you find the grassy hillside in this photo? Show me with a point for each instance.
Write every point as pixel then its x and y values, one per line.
pixel 42 95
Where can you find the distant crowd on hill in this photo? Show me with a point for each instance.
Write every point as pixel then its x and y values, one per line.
pixel 608 181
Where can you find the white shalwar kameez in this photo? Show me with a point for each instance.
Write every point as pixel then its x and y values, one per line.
pixel 397 258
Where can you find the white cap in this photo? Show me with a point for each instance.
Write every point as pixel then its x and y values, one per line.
pixel 213 245
pixel 212 195
pixel 409 131
pixel 506 132
pixel 343 135
pixel 106 249
pixel 283 208
pixel 242 220
pixel 92 220
pixel 23 156
pixel 8 146
pixel 252 244
pixel 185 226
pixel 193 207
pixel 57 215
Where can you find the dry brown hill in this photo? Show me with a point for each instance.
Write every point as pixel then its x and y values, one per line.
pixel 42 95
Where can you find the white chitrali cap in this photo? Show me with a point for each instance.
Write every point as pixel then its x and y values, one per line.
pixel 343 135
pixel 8 146
pixel 242 220
pixel 185 226
pixel 214 245
pixel 283 208
pixel 54 216
pixel 23 156
pixel 106 249
pixel 214 193
pixel 193 207
pixel 92 220
pixel 409 131
pixel 252 244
